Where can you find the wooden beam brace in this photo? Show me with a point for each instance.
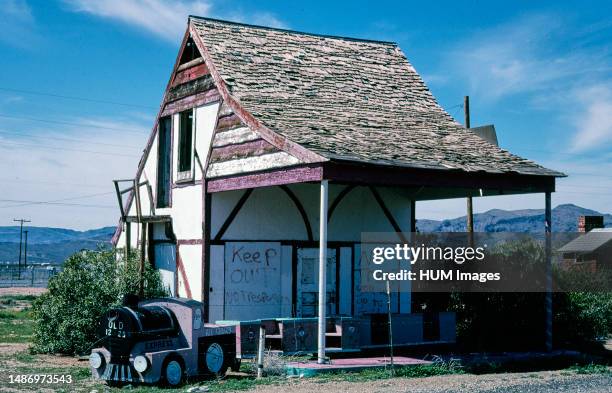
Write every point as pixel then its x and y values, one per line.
pixel 387 213
pixel 230 218
pixel 345 191
pixel 301 210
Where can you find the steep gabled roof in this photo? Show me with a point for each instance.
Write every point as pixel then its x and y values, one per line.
pixel 345 99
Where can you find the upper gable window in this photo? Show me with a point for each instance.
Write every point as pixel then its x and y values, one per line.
pixel 190 52
pixel 185 146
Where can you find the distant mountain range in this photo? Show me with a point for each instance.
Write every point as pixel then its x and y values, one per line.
pixel 54 245
pixel 51 245
pixel 564 219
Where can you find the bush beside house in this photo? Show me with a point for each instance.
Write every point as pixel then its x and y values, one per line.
pixel 516 321
pixel 91 282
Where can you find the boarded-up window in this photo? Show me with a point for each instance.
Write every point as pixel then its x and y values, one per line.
pixel 185 147
pixel 163 163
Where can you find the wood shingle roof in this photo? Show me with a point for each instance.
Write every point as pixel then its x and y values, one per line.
pixel 346 99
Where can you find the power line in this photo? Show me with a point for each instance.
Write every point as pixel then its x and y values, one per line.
pixel 72 124
pixel 56 203
pixel 2 131
pixel 68 149
pixel 18 180
pixel 58 200
pixel 75 98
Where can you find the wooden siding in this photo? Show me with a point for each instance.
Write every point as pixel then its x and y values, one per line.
pixel 192 87
pixel 236 148
pixel 234 136
pixel 190 74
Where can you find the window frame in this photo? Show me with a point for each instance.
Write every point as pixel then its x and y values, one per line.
pixel 164 152
pixel 188 174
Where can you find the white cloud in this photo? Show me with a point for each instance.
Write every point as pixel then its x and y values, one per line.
pixel 166 19
pixel 56 162
pixel 594 122
pixel 551 64
pixel 524 56
pixel 265 19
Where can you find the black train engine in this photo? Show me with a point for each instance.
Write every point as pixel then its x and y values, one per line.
pixel 160 341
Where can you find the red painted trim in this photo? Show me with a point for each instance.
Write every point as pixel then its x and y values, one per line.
pixel 247 118
pixel 192 101
pixel 181 269
pixel 190 74
pixel 265 179
pixel 117 233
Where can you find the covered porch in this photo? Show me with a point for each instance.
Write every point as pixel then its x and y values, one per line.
pixel 332 203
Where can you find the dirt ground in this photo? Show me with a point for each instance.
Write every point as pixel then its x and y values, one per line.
pixel 540 382
pixel 563 381
pixel 15 359
pixel 22 291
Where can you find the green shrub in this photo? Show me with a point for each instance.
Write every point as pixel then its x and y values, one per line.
pixel 91 282
pixel 516 321
pixel 582 316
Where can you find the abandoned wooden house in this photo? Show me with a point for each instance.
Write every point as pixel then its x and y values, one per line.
pixel 273 150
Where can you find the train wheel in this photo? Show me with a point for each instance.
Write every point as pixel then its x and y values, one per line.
pixel 215 359
pixel 173 372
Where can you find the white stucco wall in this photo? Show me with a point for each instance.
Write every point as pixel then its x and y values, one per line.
pixel 269 213
pixel 186 201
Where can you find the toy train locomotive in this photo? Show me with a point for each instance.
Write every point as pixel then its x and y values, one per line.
pixel 160 341
pixel 165 340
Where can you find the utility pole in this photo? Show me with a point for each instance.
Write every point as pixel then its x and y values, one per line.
pixel 470 210
pixel 20 221
pixel 25 250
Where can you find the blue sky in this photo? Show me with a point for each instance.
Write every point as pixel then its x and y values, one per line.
pixel 541 72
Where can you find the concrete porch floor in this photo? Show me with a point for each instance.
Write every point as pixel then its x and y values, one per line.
pixel 311 368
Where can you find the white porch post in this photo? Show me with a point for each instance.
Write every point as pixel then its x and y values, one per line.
pixel 322 270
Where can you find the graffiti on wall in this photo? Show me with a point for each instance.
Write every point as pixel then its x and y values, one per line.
pixel 252 280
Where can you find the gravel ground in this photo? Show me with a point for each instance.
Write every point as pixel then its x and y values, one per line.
pixel 22 291
pixel 540 382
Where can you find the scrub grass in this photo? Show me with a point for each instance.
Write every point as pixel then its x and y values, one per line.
pixel 591 368
pixel 16 324
pixel 416 371
pixel 16 327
